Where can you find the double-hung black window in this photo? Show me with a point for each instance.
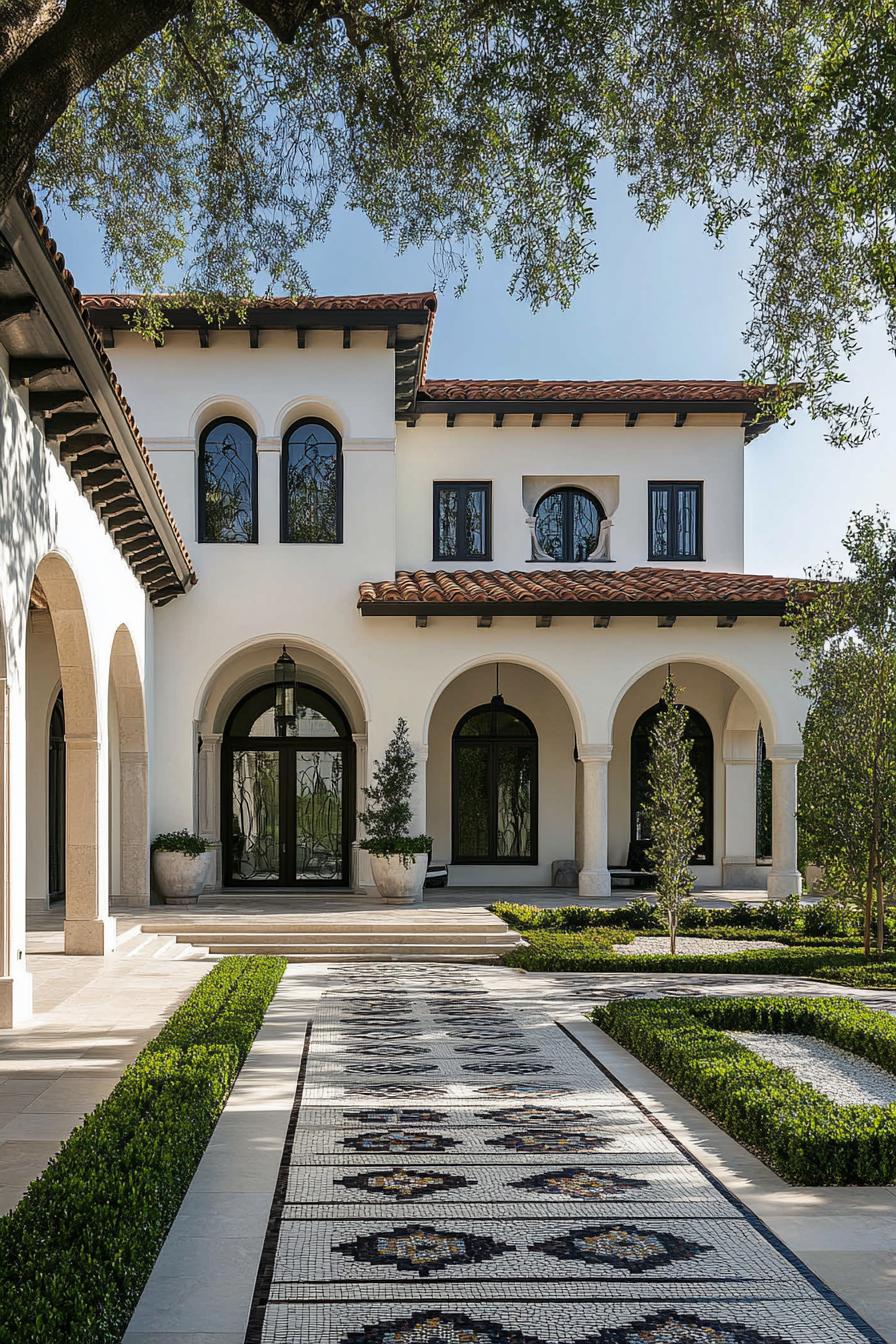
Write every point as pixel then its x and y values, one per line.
pixel 675 520
pixel 461 520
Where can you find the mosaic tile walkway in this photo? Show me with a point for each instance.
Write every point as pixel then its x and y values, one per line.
pixel 460 1172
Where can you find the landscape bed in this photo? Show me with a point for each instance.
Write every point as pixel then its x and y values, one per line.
pixel 77 1250
pixel 801 1133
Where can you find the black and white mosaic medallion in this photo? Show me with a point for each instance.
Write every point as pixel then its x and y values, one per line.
pixel 421 1249
pixel 507 1066
pixel 622 1246
pixel 535 1115
pixel 400 1140
pixel 403 1089
pixel 673 1327
pixel 520 1090
pixel 579 1183
pixel 477 1035
pixel 496 1048
pixel 392 1115
pixel 402 1183
pixel 437 1327
pixel 386 1048
pixel 549 1141
pixel 392 1066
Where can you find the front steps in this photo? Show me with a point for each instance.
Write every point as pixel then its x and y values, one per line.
pixel 474 937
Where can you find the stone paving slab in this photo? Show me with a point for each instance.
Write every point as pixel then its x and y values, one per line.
pixel 431 1193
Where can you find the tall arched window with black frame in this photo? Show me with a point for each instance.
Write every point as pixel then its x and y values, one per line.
pixel 700 737
pixel 495 786
pixel 228 482
pixel 311 483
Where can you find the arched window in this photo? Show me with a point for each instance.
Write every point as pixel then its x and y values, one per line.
pixel 567 524
pixel 702 756
pixel 228 481
pixel 56 803
pixel 311 483
pixel 763 800
pixel 494 786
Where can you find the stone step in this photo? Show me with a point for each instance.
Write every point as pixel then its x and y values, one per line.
pixel 351 938
pixel 204 924
pixel 412 954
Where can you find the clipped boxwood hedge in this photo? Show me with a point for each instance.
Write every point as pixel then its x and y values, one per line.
pixel 549 951
pixel 77 1250
pixel 801 1133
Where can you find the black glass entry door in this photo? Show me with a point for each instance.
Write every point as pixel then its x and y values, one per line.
pixel 287 800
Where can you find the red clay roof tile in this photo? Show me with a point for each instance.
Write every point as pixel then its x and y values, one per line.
pixel 350 303
pixel 637 389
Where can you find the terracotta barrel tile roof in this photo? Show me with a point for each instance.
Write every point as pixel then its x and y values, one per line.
pixel 311 303
pixel 532 389
pixel 632 587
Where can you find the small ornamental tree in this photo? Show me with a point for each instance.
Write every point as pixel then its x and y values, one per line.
pixel 673 810
pixel 387 817
pixel 844 629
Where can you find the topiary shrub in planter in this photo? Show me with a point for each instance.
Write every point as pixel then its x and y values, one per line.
pixel 398 859
pixel 180 866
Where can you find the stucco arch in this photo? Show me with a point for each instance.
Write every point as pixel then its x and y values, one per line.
pixel 522 660
pixel 88 930
pixel 130 771
pixel 776 730
pixel 214 408
pixel 310 406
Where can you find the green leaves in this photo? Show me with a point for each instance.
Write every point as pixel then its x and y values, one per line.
pixel 800 1132
pixel 388 814
pixel 77 1251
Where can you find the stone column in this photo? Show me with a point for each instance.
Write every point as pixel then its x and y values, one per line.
pixel 209 801
pixel 784 876
pixel 361 876
pixel 134 827
pixel 594 878
pixel 15 980
pixel 89 929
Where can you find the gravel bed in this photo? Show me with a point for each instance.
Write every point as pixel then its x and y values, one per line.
pixel 649 943
pixel 840 1075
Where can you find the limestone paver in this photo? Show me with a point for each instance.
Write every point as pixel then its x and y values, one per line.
pixel 433 1194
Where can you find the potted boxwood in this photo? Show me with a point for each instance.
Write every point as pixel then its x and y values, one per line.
pixel 180 866
pixel 399 860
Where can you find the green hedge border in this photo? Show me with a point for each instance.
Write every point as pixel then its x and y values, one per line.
pixel 803 1135
pixel 77 1250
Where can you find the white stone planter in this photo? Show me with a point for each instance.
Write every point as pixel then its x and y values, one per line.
pixel 180 878
pixel 399 878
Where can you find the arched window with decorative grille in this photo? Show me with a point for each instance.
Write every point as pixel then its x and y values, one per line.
pixel 700 737
pixel 311 483
pixel 228 482
pixel 494 786
pixel 567 525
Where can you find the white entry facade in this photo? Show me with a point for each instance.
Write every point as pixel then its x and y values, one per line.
pixel 510 567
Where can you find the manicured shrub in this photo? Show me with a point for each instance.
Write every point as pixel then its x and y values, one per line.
pixel 801 1133
pixel 77 1251
pixel 545 950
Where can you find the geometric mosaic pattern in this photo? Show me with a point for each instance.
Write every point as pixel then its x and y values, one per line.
pixel 459 1172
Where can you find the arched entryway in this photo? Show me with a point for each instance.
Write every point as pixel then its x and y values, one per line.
pixel 128 776
pixel 287 792
pixel 56 804
pixel 494 790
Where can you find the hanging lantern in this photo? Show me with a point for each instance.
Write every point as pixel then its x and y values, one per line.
pixel 284 693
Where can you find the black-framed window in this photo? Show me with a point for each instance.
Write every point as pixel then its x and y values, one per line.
pixel 763 800
pixel 699 735
pixel 311 483
pixel 494 787
pixel 675 520
pixel 461 520
pixel 228 482
pixel 567 523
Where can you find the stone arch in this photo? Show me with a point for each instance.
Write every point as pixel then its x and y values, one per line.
pixel 311 406
pixel 128 795
pixel 225 404
pixel 244 668
pixel 483 660
pixel 88 929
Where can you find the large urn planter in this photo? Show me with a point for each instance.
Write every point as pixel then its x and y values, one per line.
pixel 399 878
pixel 180 878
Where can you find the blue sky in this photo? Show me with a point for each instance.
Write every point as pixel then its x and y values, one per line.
pixel 664 303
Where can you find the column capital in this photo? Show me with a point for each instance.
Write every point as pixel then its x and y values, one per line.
pixel 210 739
pixel 595 751
pixel 359 739
pixel 785 751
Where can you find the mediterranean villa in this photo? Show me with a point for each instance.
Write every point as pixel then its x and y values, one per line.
pixel 511 567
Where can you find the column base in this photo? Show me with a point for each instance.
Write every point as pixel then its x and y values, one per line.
pixel 90 937
pixel 15 999
pixel 594 884
pixel 783 883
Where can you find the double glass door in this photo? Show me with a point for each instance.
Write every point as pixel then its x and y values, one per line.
pixel 287 801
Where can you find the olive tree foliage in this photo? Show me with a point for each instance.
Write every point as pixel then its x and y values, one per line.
pixel 673 809
pixel 844 629
pixel 211 139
